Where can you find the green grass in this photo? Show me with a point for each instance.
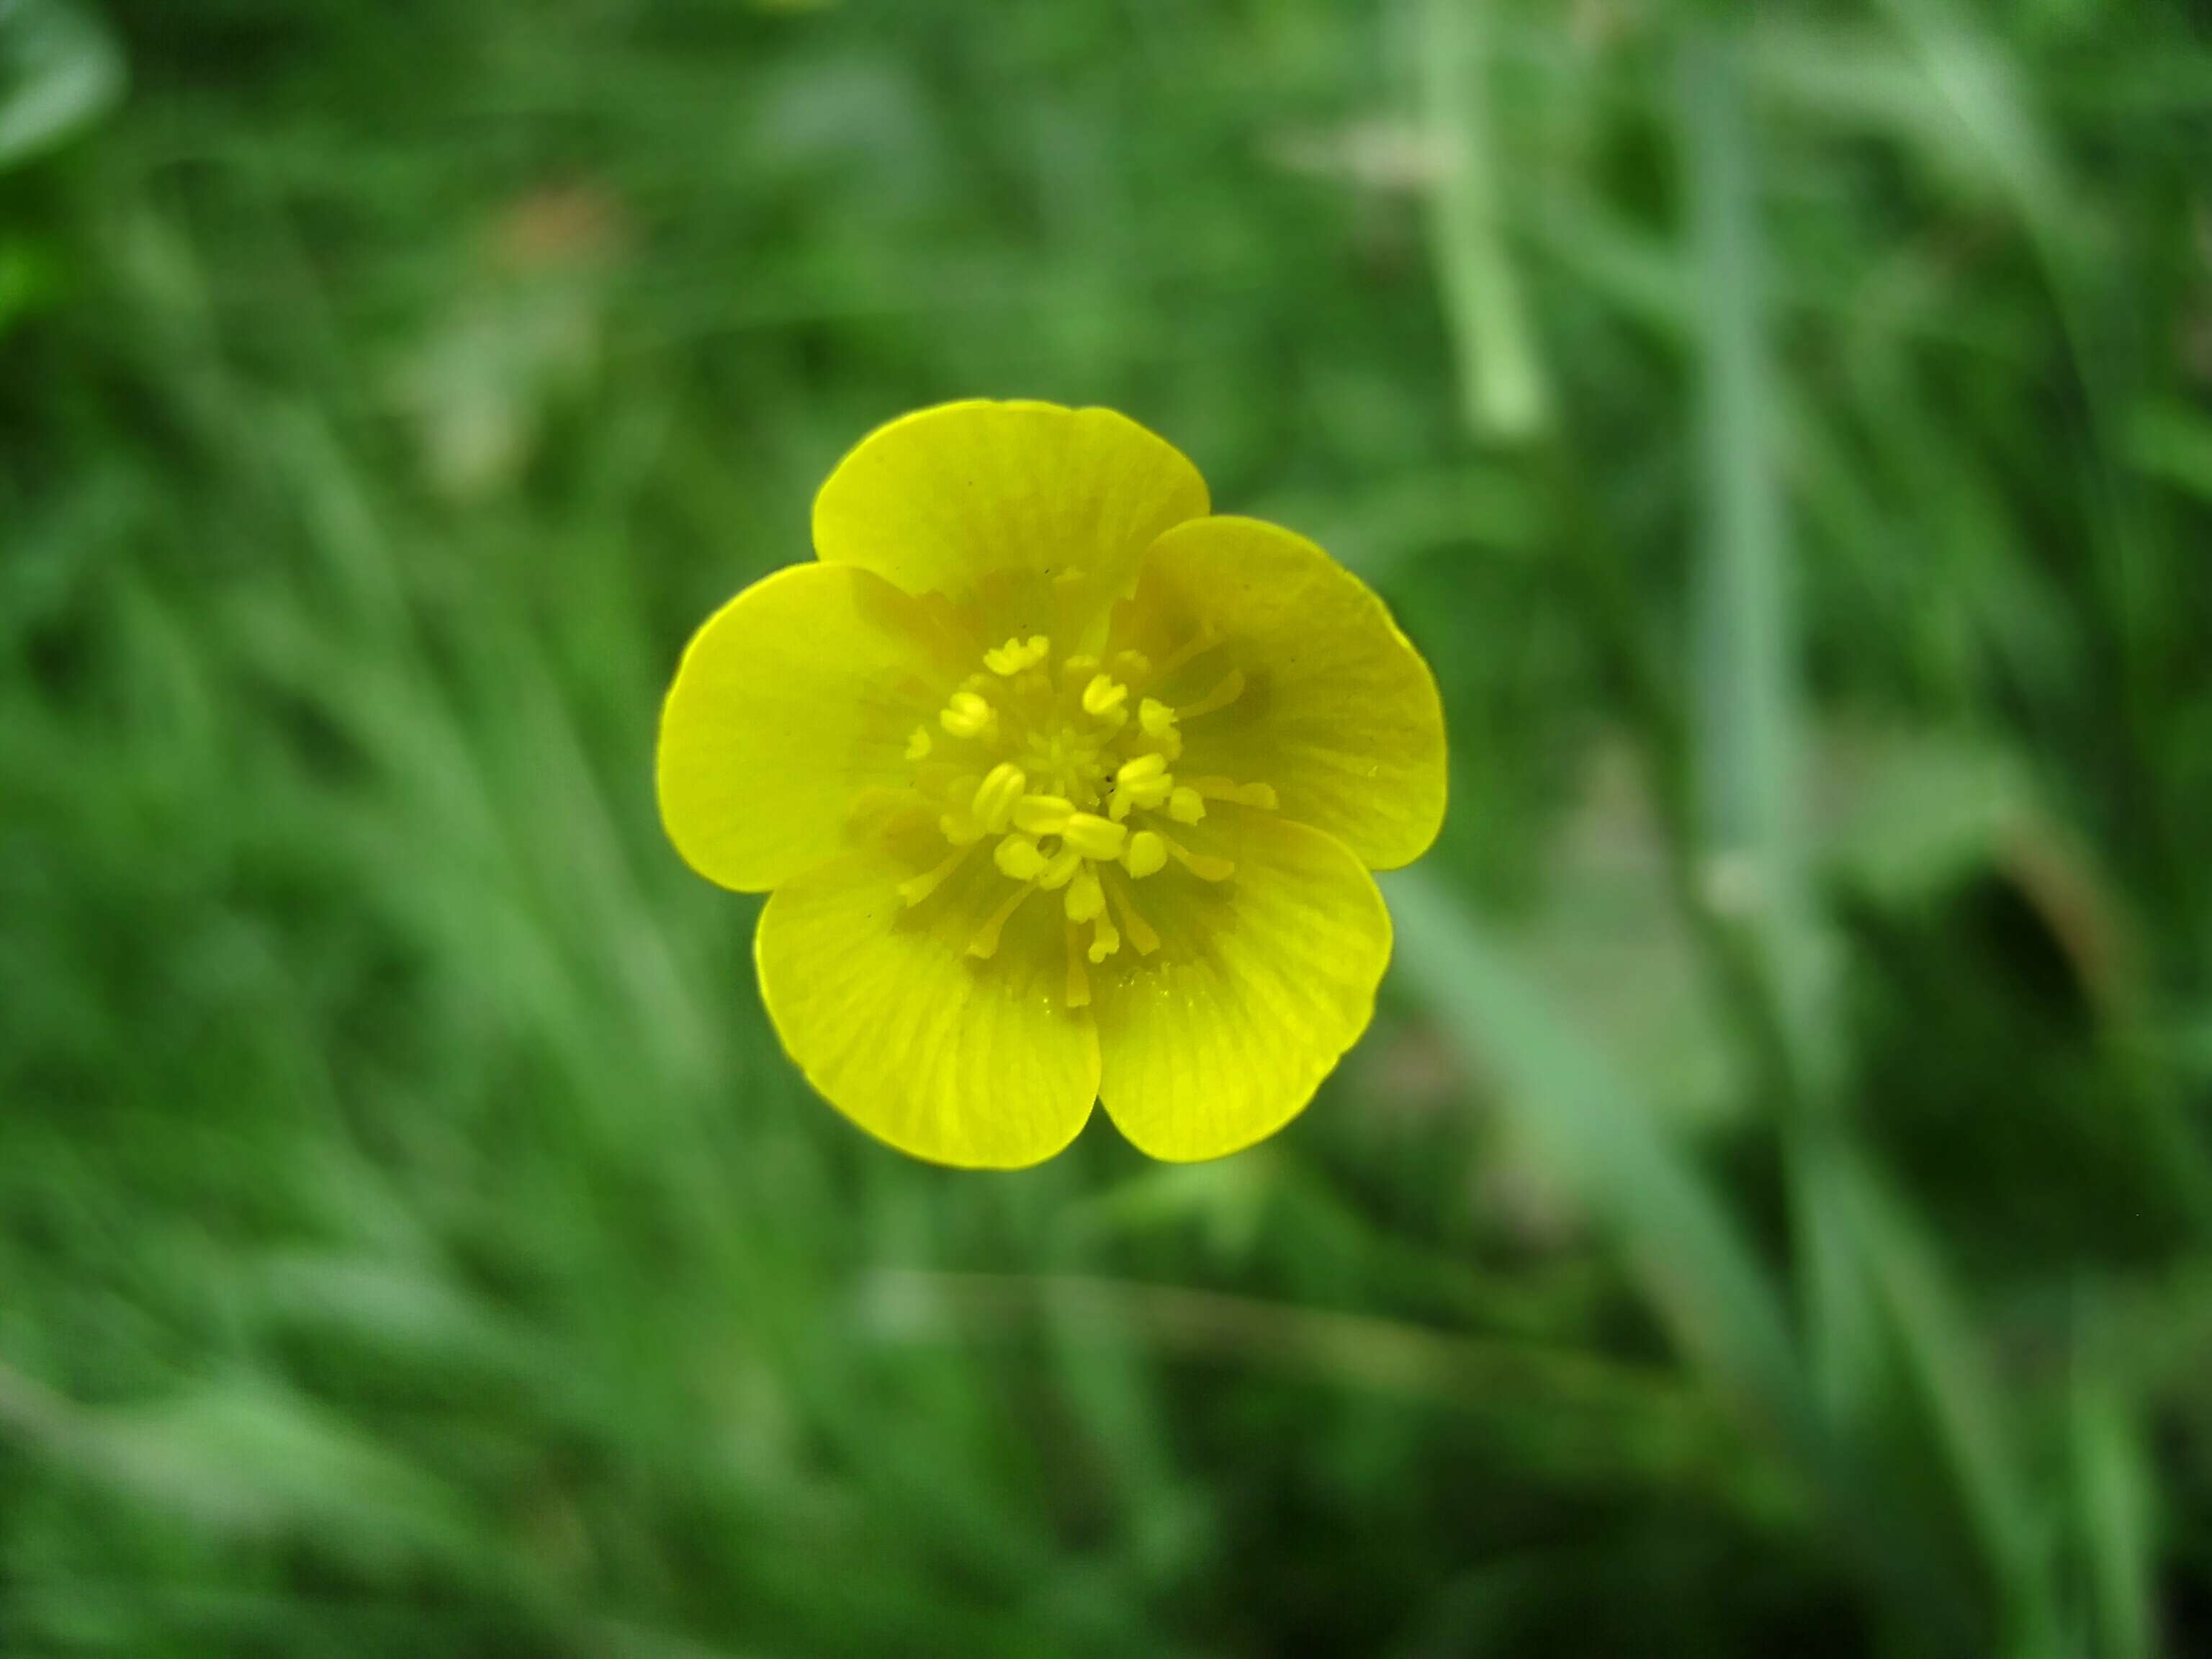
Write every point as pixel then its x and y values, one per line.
pixel 1773 1211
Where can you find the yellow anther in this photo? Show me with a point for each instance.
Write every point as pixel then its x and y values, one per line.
pixel 1158 721
pixel 1147 854
pixel 917 747
pixel 1104 941
pixel 1015 655
pixel 1018 856
pixel 1103 697
pixel 1230 687
pixel 1080 664
pixel 1043 815
pixel 967 715
pixel 1143 782
pixel 1086 899
pixel 1132 664
pixel 1185 806
pixel 1060 869
pixel 1093 837
pixel 996 795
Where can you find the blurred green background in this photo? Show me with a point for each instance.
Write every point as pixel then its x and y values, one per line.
pixel 1773 1212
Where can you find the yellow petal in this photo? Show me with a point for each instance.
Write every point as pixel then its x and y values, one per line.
pixel 1221 1036
pixel 795 696
pixel 945 1057
pixel 1065 499
pixel 1337 710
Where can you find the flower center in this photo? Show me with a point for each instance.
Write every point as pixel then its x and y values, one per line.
pixel 1064 769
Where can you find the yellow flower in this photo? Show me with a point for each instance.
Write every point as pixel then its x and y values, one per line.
pixel 1064 790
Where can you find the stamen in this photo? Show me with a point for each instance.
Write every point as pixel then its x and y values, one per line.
pixel 1018 856
pixel 967 715
pixel 1244 794
pixel 1102 699
pixel 915 889
pixel 958 824
pixel 1010 658
pixel 1043 815
pixel 985 941
pixel 1078 982
pixel 1077 725
pixel 1104 941
pixel 1231 687
pixel 1204 866
pixel 1094 837
pixel 1158 721
pixel 1147 854
pixel 1197 645
pixel 996 795
pixel 1060 869
pixel 879 807
pixel 1142 782
pixel 1132 920
pixel 1086 899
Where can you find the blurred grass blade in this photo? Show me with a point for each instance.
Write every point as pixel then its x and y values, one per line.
pixel 1602 1143
pixel 1106 1376
pixel 59 72
pixel 1749 748
pixel 1842 1323
pixel 1503 388
pixel 2113 1508
pixel 1569 1400
pixel 1936 1335
pixel 1973 75
pixel 246 1458
pixel 1606 1146
pixel 2172 442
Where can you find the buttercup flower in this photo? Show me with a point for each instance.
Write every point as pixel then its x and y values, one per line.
pixel 1064 790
